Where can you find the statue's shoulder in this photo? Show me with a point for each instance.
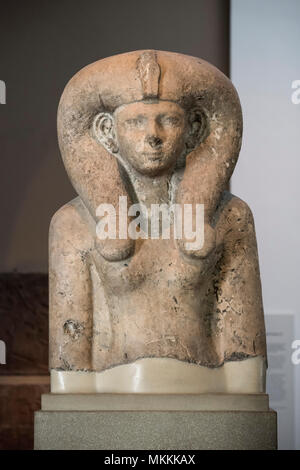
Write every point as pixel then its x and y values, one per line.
pixel 71 223
pixel 236 210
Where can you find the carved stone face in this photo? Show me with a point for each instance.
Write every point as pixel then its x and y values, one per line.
pixel 150 136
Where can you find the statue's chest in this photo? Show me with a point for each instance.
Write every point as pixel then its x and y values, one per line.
pixel 158 264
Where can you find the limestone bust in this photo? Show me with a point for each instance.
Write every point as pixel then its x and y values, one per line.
pixel 151 313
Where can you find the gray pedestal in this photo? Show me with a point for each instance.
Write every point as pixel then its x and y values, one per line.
pixel 155 422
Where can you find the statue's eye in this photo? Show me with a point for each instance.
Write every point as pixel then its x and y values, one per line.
pixel 172 121
pixel 138 122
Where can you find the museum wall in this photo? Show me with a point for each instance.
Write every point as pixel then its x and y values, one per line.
pixel 265 39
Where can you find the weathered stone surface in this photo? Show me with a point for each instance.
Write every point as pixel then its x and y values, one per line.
pixel 24 323
pixel 154 127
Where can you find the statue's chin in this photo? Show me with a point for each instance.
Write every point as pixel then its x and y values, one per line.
pixel 152 165
pixel 152 170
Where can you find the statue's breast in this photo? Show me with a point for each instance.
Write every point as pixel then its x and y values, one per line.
pixel 158 264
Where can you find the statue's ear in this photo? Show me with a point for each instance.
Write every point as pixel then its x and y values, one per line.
pixel 197 128
pixel 103 127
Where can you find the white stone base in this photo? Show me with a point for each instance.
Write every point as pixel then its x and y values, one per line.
pixel 166 375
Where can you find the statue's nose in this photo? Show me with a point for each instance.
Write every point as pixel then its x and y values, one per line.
pixel 153 141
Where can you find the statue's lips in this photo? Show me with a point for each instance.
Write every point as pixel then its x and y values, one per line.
pixel 153 155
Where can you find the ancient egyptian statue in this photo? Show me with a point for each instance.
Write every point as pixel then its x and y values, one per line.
pixel 153 313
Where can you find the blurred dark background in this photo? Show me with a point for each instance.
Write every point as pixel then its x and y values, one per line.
pixel 43 44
